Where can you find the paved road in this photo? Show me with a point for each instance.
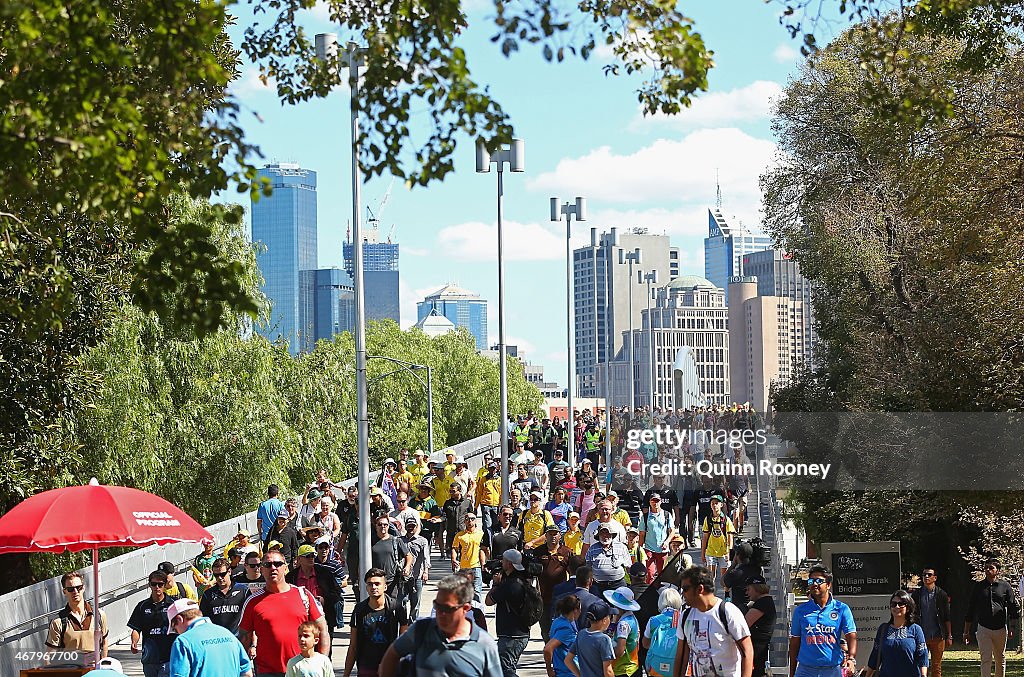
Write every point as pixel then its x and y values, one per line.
pixel 530 665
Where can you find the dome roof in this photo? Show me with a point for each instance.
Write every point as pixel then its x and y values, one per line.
pixel 690 282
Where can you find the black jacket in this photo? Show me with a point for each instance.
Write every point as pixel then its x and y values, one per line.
pixel 324 579
pixel 289 540
pixel 941 606
pixel 991 604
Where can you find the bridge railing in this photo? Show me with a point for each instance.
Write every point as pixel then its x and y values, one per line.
pixel 25 614
pixel 778 572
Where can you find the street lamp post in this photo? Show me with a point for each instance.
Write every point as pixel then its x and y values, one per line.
pixel 632 258
pixel 611 242
pixel 651 278
pixel 514 155
pixel 327 48
pixel 412 368
pixel 580 211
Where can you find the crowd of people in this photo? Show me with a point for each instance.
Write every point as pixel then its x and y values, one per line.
pixel 589 550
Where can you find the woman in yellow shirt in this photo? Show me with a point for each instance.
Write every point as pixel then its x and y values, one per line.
pixel 573 536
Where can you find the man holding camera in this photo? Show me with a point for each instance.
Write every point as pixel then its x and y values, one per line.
pixel 508 596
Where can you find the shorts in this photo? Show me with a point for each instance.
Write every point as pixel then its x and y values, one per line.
pixel 721 562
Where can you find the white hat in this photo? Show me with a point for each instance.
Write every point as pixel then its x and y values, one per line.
pixel 460 459
pixel 110 664
pixel 179 606
pixel 622 597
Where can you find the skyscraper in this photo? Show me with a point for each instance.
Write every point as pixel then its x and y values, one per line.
pixel 724 248
pixel 284 226
pixel 463 308
pixel 779 275
pixel 595 287
pixel 335 303
pixel 380 274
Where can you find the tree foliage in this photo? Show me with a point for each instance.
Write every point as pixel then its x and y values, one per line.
pixel 911 231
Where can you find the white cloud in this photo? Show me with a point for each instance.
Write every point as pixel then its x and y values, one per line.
pixel 673 172
pixel 249 83
pixel 784 53
pixel 525 347
pixel 745 104
pixel 415 251
pixel 407 300
pixel 477 241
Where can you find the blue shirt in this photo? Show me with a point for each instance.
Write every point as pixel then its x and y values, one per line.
pixel 592 649
pixel 819 630
pixel 565 632
pixel 901 651
pixel 208 649
pixel 655 528
pixel 267 513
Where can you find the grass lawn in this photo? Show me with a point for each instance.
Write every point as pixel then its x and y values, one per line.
pixel 957 662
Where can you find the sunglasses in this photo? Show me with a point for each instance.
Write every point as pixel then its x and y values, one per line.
pixel 928 574
pixel 446 609
pixel 402 500
pixel 897 605
pixel 74 588
pixel 220 574
pixel 816 581
pixel 275 564
pixel 309 556
pixel 156 584
pixel 253 566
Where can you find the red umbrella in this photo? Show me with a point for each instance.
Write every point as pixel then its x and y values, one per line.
pixel 92 517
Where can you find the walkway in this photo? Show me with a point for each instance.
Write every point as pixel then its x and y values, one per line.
pixel 530 665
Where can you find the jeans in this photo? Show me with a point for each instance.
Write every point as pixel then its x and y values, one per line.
pixel 509 651
pixel 155 669
pixel 414 589
pixel 935 648
pixel 992 644
pixel 478 582
pixel 489 516
pixel 811 671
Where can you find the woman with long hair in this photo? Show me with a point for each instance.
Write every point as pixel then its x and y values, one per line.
pixel 900 649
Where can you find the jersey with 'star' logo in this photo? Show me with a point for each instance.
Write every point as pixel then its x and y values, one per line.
pixel 820 628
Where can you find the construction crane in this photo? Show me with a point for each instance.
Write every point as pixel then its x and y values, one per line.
pixel 373 220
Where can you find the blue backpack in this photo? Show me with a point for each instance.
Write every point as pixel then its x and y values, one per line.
pixel 662 653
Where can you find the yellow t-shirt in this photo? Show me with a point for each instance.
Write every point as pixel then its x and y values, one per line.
pixel 718 545
pixel 442 488
pixel 468 545
pixel 405 477
pixel 418 472
pixel 574 541
pixel 489 491
pixel 622 517
pixel 534 523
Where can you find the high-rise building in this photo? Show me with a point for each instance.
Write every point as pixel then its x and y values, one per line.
pixel 778 274
pixel 724 248
pixel 768 339
pixel 284 228
pixel 463 308
pixel 335 303
pixel 380 274
pixel 601 282
pixel 435 324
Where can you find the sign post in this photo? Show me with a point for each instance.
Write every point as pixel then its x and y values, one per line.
pixel 864 576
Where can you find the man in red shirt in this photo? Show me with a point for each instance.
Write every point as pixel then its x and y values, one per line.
pixel 274 615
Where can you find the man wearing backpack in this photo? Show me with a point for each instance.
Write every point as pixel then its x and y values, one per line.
pixel 377 621
pixel 714 638
pixel 514 597
pixel 716 539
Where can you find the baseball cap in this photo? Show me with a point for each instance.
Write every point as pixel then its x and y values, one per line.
pixel 323 540
pixel 243 532
pixel 283 514
pixel 275 545
pixel 551 527
pixel 632 530
pixel 412 520
pixel 418 452
pixel 586 460
pixel 574 514
pixel 598 611
pixel 390 460
pixel 756 580
pixel 306 549
pixel 165 567
pixel 314 494
pixel 515 558
pixel 718 497
pixel 460 459
pixel 376 491
pixel 110 664
pixel 178 607
pixel 613 493
pixel 537 493
pixel 206 541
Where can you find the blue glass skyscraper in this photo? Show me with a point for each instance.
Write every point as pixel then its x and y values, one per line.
pixel 284 228
pixel 335 303
pixel 724 248
pixel 463 308
pixel 380 275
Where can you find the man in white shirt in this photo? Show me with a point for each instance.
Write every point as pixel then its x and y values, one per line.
pixel 714 638
pixel 604 517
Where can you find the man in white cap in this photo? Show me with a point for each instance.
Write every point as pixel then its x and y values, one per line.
pixel 463 475
pixel 107 667
pixel 627 631
pixel 203 648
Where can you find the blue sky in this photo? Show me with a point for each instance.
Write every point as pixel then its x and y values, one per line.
pixel 584 135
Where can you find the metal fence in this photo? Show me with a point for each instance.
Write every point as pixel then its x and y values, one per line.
pixel 778 572
pixel 25 614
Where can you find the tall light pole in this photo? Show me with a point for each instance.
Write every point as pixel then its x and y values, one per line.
pixel 514 155
pixel 327 49
pixel 580 211
pixel 632 258
pixel 651 278
pixel 611 242
pixel 412 368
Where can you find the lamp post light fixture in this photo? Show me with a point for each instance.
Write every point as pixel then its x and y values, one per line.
pixel 327 49
pixel 412 368
pixel 515 157
pixel 651 278
pixel 579 210
pixel 632 258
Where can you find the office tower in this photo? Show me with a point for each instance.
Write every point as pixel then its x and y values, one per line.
pixel 688 313
pixel 778 274
pixel 463 308
pixel 335 300
pixel 724 248
pixel 599 278
pixel 435 324
pixel 768 339
pixel 284 229
pixel 380 274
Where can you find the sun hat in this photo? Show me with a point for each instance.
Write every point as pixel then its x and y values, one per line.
pixel 622 597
